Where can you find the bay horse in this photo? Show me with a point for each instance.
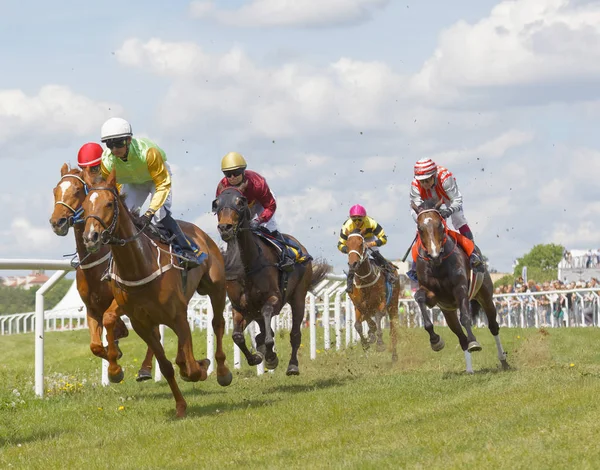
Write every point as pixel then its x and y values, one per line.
pixel 372 295
pixel 152 288
pixel 96 295
pixel 444 273
pixel 256 287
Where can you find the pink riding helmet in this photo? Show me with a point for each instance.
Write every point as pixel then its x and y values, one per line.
pixel 358 211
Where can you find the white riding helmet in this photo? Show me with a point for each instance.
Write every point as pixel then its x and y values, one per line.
pixel 115 128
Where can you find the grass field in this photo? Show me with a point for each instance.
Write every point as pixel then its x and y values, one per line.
pixel 347 409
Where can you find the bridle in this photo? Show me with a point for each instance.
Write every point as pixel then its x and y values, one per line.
pixel 443 244
pixel 362 258
pixel 77 216
pixel 107 236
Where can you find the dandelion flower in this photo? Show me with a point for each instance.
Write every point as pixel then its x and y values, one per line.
pixel 518 337
pixel 121 408
pixel 571 365
pixel 99 408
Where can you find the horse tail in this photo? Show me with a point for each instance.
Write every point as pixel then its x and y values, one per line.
pixel 320 269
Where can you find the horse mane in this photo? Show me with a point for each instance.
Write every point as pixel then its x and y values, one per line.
pixel 428 205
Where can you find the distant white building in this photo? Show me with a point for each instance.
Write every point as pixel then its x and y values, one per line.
pixel 36 278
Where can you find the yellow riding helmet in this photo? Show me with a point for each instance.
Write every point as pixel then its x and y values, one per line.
pixel 233 161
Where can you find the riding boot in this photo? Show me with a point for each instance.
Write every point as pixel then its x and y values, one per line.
pixel 412 272
pixel 192 257
pixel 350 282
pixel 287 261
pixel 476 260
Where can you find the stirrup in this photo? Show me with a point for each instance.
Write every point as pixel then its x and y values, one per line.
pixel 476 263
pixel 412 275
pixel 287 264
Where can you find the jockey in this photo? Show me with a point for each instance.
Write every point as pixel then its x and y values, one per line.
pixel 374 238
pixel 433 182
pixel 90 156
pixel 141 167
pixel 261 200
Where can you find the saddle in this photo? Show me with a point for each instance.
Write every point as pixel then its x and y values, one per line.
pixel 285 245
pixel 158 233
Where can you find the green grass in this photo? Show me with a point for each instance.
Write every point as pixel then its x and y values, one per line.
pixel 347 409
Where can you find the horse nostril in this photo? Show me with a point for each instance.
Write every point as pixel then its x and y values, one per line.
pixel 94 237
pixel 224 227
pixel 62 221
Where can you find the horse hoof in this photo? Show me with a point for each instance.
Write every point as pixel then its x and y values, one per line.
pixel 204 363
pixel 142 375
pixel 225 380
pixel 292 370
pixel 372 339
pixel 438 346
pixel 116 378
pixel 505 365
pixel 381 347
pixel 474 346
pixel 272 364
pixel 255 360
pixel 365 345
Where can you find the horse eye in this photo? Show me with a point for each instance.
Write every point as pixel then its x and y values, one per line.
pixel 238 201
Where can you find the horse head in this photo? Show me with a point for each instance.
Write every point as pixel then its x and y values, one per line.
pixel 431 227
pixel 356 249
pixel 69 194
pixel 101 207
pixel 232 212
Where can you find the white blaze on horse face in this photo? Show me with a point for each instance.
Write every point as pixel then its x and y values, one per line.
pixel 92 200
pixel 64 186
pixel 432 250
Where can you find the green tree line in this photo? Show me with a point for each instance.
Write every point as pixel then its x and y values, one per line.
pixel 19 300
pixel 542 264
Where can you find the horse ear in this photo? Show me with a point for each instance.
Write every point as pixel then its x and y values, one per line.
pixel 414 207
pixel 112 178
pixel 439 204
pixel 64 169
pixel 215 206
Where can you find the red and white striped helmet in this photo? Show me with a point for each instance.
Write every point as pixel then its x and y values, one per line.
pixel 425 168
pixel 90 154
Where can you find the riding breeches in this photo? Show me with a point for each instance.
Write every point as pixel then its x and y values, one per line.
pixel 138 193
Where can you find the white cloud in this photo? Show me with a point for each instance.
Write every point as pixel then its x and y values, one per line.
pixel 55 111
pixel 298 13
pixel 521 43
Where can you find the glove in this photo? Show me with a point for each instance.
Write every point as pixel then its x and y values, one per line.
pixel 344 249
pixel 371 244
pixel 147 218
pixel 445 212
pixel 254 224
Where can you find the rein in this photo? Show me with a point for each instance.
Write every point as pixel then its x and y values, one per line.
pixel 444 241
pixel 76 218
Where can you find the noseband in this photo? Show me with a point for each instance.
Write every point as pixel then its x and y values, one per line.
pixel 361 256
pixel 77 214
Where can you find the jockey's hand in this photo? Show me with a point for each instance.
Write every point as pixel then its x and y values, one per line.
pixel 445 212
pixel 147 218
pixel 371 244
pixel 254 224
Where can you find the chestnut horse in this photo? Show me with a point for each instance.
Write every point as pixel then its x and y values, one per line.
pixel 372 295
pixel 97 296
pixel 257 288
pixel 444 273
pixel 152 288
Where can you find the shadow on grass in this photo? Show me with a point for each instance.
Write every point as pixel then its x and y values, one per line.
pixel 311 386
pixel 484 371
pixel 198 411
pixel 35 437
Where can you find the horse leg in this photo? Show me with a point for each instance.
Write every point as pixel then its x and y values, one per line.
pixel 267 311
pixel 394 321
pixel 145 372
pixel 297 302
pixel 147 334
pixel 436 341
pixel 491 314
pixel 217 300
pixel 358 326
pixel 454 325
pixel 464 305
pixel 378 330
pixel 190 370
pixel 95 328
pixel 267 351
pixel 109 319
pixel 239 325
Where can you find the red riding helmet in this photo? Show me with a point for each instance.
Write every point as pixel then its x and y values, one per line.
pixel 90 154
pixel 425 168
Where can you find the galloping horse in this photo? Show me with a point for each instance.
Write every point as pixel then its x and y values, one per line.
pixel 151 287
pixel 372 295
pixel 97 296
pixel 256 287
pixel 444 273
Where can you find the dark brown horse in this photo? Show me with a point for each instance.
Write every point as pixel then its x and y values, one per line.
pixel 372 295
pixel 151 287
pixel 444 276
pixel 255 285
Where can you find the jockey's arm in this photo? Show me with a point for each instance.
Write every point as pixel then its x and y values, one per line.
pixel 104 172
pixel 456 199
pixel 378 232
pixel 415 197
pixel 344 237
pixel 266 199
pixel 160 176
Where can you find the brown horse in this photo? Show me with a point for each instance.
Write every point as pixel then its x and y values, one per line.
pixel 151 287
pixel 372 295
pixel 257 288
pixel 444 272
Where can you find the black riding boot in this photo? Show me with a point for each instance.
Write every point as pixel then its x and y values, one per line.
pixel 287 262
pixel 193 258
pixel 350 282
pixel 476 260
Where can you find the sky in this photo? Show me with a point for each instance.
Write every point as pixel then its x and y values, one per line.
pixel 333 101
